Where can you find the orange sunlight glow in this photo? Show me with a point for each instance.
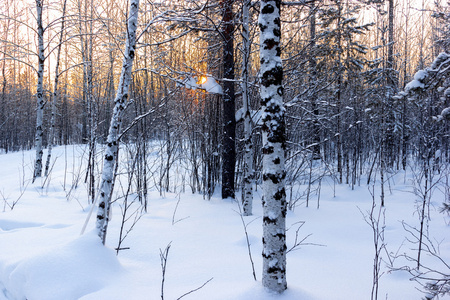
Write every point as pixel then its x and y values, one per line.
pixel 202 80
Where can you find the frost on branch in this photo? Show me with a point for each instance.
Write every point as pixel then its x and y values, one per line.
pixel 444 116
pixel 431 79
pixel 418 82
pixel 446 113
pixel 206 83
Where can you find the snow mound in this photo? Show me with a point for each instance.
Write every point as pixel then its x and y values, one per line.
pixel 78 268
pixel 211 86
pixel 206 83
pixel 418 81
pixel 446 113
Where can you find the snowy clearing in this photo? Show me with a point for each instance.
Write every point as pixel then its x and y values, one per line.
pixel 43 256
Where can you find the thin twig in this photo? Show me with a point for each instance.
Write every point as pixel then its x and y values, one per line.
pixel 163 256
pixel 247 239
pixel 194 290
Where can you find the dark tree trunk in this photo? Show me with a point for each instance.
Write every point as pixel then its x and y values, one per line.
pixel 229 120
pixel 312 82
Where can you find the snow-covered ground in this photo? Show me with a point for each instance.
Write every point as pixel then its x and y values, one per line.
pixel 43 256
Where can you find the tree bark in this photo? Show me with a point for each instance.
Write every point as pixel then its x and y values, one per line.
pixel 248 177
pixel 112 146
pixel 274 145
pixel 229 119
pixel 339 94
pixel 312 83
pixel 39 93
pixel 391 90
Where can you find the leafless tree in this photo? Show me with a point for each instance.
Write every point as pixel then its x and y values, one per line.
pixel 120 102
pixel 274 145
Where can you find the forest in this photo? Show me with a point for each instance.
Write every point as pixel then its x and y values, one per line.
pixel 239 100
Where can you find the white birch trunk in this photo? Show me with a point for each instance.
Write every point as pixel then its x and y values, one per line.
pixel 248 178
pixel 274 144
pixel 39 92
pixel 112 146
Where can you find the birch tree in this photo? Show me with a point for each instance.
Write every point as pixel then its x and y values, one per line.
pixel 39 92
pixel 248 178
pixel 274 145
pixel 120 102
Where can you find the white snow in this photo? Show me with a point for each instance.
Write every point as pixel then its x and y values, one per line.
pixel 206 83
pixel 239 116
pixel 273 262
pixel 446 113
pixel 211 86
pixel 420 75
pixel 190 83
pixel 256 116
pixel 417 82
pixel 441 59
pixel 43 256
pixel 447 92
pixel 414 84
